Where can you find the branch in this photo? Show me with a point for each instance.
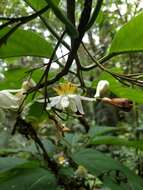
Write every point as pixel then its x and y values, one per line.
pixel 49 27
pixel 23 21
pixel 85 15
pixel 95 14
pixel 120 77
pixel 28 131
pixel 71 11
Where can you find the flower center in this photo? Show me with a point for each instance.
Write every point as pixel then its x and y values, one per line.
pixel 65 89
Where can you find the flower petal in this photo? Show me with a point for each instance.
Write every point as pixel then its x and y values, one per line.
pixel 64 102
pixel 79 104
pixel 8 101
pixel 54 101
pixel 72 105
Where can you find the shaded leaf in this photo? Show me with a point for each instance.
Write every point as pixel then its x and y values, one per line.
pixel 101 130
pixel 7 163
pixel 27 176
pixel 99 164
pixel 117 141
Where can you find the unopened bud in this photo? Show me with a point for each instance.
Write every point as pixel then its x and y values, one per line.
pixel 81 172
pixel 102 88
pixel 122 103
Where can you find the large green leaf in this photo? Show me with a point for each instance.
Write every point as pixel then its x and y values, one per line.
pixel 27 176
pixel 99 164
pixel 9 163
pixel 129 38
pixel 13 78
pixel 96 131
pixel 24 43
pixel 117 141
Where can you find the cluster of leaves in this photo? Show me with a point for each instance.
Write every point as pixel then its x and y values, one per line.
pixel 63 160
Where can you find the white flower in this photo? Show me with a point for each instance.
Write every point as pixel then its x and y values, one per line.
pixel 8 100
pixel 102 88
pixel 67 98
pixel 11 101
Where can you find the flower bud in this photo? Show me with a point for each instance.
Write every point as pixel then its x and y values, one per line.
pixel 122 103
pixel 102 88
pixel 81 171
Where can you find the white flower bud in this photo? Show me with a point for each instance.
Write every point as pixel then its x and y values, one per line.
pixel 102 88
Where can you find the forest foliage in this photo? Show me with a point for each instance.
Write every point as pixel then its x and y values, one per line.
pixel 71 95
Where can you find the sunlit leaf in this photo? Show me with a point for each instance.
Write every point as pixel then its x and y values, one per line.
pixel 129 38
pixel 24 43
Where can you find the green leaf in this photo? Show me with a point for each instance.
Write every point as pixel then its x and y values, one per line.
pixel 24 43
pixel 60 15
pixel 27 176
pixel 117 141
pixel 109 182
pixel 129 38
pixel 36 112
pixel 9 163
pixel 38 5
pixel 15 76
pixel 28 179
pixel 99 164
pixel 97 131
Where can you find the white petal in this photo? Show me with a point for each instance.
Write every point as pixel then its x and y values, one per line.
pixel 72 105
pixel 97 95
pixel 11 90
pixel 64 102
pixel 79 104
pixel 51 99
pixel 8 101
pixel 53 102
